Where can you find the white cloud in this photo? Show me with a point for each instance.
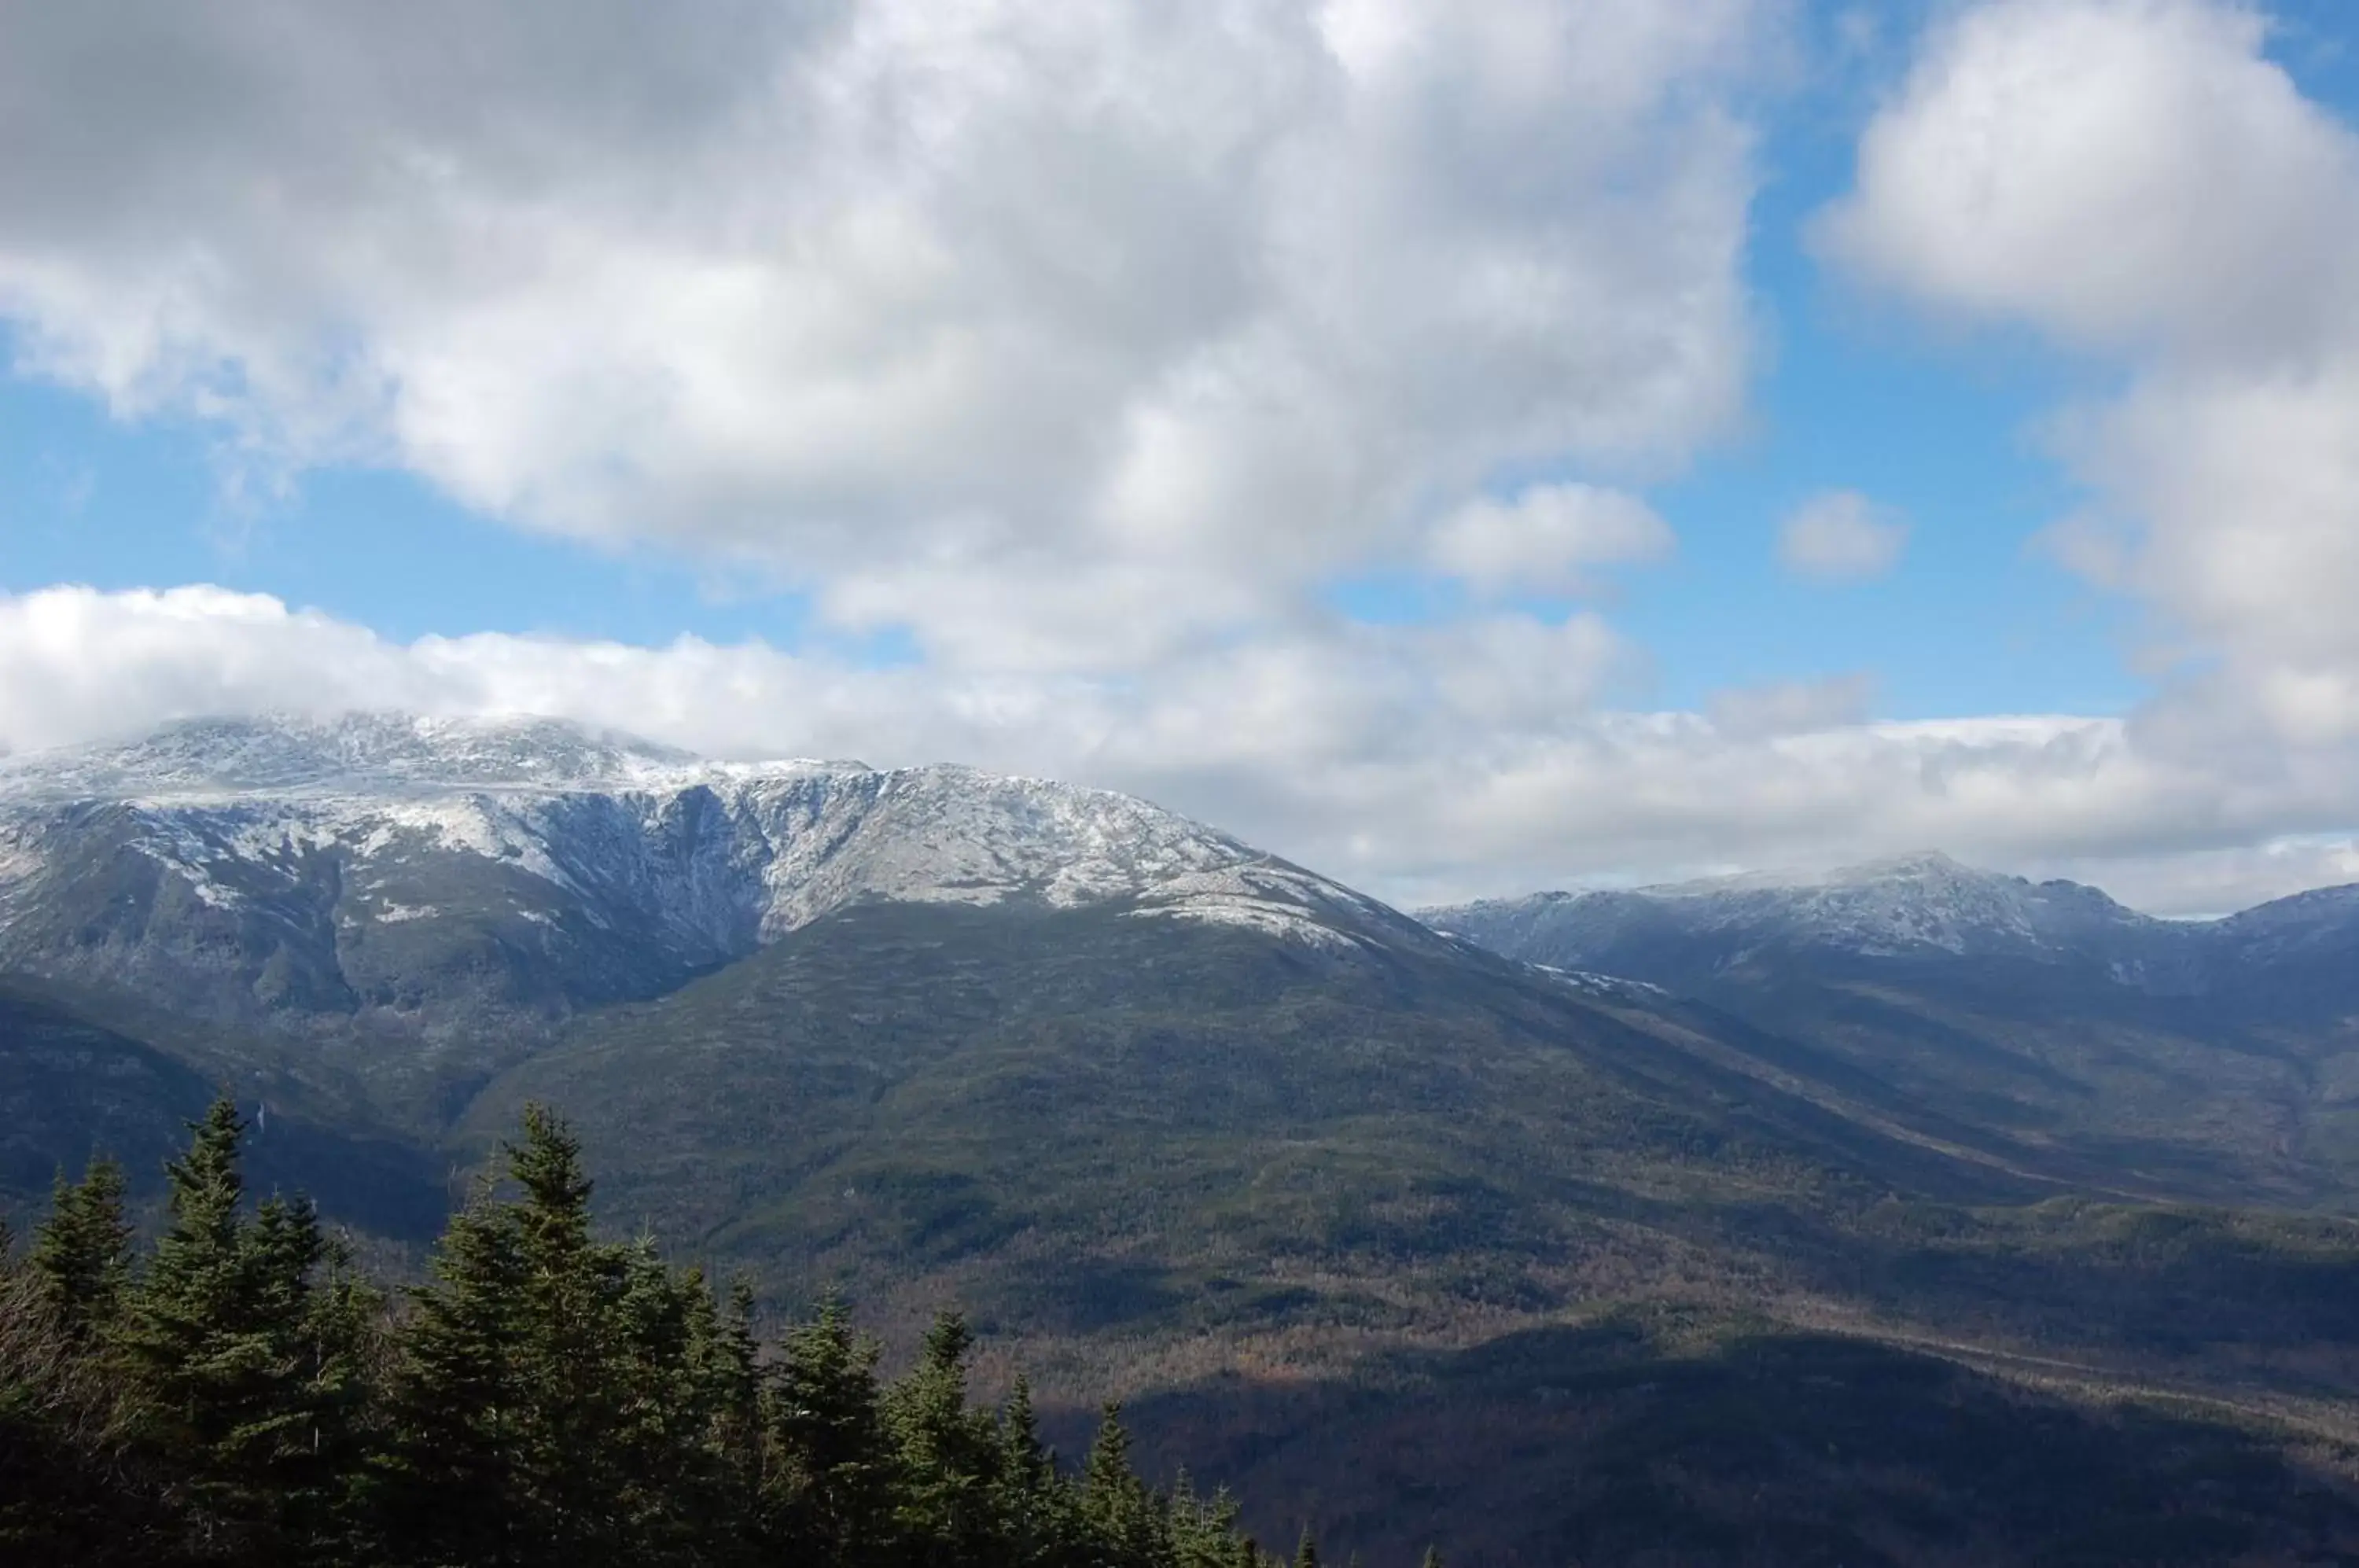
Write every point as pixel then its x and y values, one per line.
pixel 1229 296
pixel 2223 881
pixel 1086 339
pixel 1791 707
pixel 1547 539
pixel 1422 763
pixel 1840 536
pixel 2139 179
pixel 2117 172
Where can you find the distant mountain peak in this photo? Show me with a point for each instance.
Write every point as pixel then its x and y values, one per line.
pixel 1916 864
pixel 1921 867
pixel 1921 902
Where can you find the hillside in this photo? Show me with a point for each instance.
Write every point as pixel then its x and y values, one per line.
pixel 73 1086
pixel 1304 1208
pixel 1048 1100
pixel 1309 1183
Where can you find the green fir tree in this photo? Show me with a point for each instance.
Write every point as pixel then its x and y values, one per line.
pixel 547 1399
pixel 82 1254
pixel 830 1484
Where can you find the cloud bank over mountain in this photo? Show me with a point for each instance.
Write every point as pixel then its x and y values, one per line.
pixel 1093 355
pixel 1413 761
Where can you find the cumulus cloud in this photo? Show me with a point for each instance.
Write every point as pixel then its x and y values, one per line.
pixel 2117 172
pixel 1841 536
pixel 1792 707
pixel 2138 181
pixel 1423 762
pixel 890 295
pixel 1547 539
pixel 1086 341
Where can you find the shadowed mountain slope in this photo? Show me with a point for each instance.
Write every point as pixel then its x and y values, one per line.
pixel 72 1087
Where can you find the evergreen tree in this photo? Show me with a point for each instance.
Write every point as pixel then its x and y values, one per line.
pixel 830 1480
pixel 1205 1530
pixel 214 1333
pixel 1106 1478
pixel 947 1453
pixel 458 1398
pixel 1025 1464
pixel 547 1398
pixel 569 1395
pixel 82 1253
pixel 514 1403
pixel 72 1488
pixel 1120 1512
pixel 732 1361
pixel 724 1380
pixel 570 1359
pixel 196 1296
pixel 1033 1502
pixel 662 1411
pixel 328 1335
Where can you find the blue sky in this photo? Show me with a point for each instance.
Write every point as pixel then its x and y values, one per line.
pixel 1972 622
pixel 558 351
pixel 1942 427
pixel 119 503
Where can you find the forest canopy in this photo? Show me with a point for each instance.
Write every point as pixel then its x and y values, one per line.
pixel 235 1391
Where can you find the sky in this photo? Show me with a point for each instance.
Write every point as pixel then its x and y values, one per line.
pixel 1463 448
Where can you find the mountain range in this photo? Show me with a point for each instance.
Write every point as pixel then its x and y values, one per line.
pixel 2285 957
pixel 1644 1216
pixel 2214 1060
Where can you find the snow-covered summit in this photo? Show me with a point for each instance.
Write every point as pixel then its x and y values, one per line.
pixel 356 753
pixel 341 859
pixel 1921 903
pixel 1924 899
pixel 1926 915
pixel 1924 865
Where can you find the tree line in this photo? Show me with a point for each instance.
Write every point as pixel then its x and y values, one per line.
pixel 236 1392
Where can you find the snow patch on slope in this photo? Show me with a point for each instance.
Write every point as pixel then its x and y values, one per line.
pixel 1271 897
pixel 1610 987
pixel 719 854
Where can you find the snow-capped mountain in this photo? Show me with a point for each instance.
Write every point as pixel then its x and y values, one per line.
pixel 1918 902
pixel 360 754
pixel 1925 901
pixel 376 863
pixel 1923 909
